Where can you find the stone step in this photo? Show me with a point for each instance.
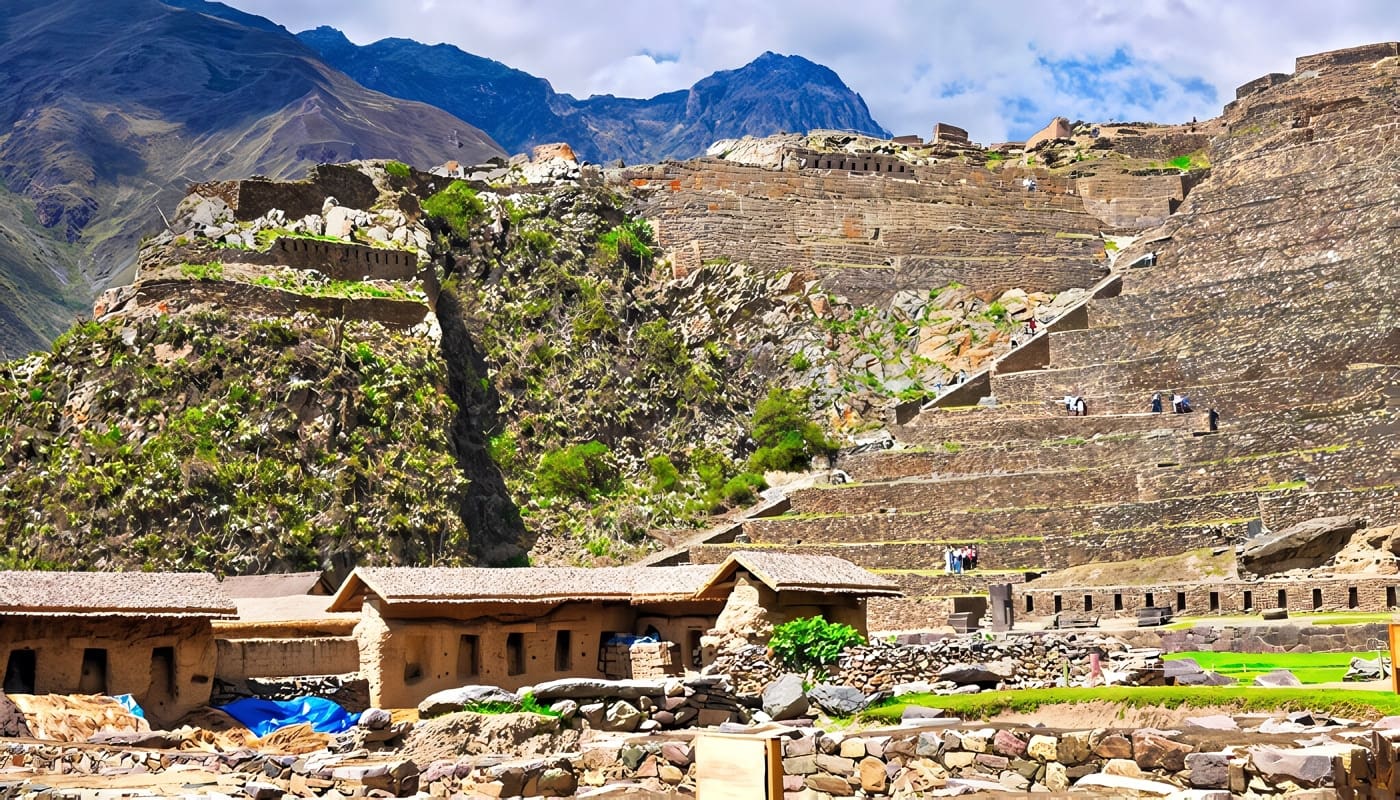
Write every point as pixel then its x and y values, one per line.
pixel 1242 439
pixel 1049 551
pixel 1106 484
pixel 1000 524
pixel 1232 293
pixel 1225 330
pixel 935 426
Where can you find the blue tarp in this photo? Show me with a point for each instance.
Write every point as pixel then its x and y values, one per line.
pixel 265 716
pixel 129 703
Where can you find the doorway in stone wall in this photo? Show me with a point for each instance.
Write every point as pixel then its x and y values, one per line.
pixel 93 679
pixel 20 671
pixel 161 691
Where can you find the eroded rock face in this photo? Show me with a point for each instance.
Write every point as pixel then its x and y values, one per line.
pixel 1305 545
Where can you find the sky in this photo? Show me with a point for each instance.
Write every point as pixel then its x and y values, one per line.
pixel 1001 70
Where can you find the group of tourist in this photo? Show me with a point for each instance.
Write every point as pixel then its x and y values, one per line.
pixel 1075 405
pixel 1181 404
pixel 958 560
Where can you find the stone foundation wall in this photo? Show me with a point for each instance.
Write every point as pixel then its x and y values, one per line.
pixel 1277 638
pixel 345 262
pixel 1358 593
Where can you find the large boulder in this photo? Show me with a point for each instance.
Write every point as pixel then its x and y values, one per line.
pixel 1277 678
pixel 1309 766
pixel 1362 669
pixel 979 674
pixel 594 688
pixel 449 700
pixel 12 724
pixel 840 701
pixel 1308 544
pixel 785 698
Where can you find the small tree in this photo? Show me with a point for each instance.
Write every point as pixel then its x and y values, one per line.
pixel 811 644
pixel 787 439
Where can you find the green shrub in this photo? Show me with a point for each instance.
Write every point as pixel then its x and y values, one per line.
pixel 665 478
pixel 212 271
pixel 787 439
pixel 527 704
pixel 583 471
pixel 800 362
pixel 398 169
pixel 743 488
pixel 811 644
pixel 457 206
pixel 632 241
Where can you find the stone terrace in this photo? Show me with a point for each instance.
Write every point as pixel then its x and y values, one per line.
pixel 1272 299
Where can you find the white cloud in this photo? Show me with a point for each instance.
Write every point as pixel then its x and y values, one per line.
pixel 915 62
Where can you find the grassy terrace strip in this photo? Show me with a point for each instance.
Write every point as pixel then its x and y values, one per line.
pixel 1327 618
pixel 1351 703
pixel 1309 667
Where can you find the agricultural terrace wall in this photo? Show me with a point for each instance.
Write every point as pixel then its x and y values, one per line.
pixel 1024 551
pixel 1160 146
pixel 1376 505
pixel 250 299
pixel 342 262
pixel 872 235
pixel 1356 593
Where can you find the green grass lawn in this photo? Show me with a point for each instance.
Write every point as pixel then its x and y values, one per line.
pixel 1352 703
pixel 1309 667
pixel 1322 618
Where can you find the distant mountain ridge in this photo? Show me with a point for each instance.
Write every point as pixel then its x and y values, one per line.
pixel 109 110
pixel 771 94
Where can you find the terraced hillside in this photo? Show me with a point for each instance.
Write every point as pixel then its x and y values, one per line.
pixel 1272 299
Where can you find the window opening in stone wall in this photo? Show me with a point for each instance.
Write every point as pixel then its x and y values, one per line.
pixel 1215 601
pixel 1317 599
pixel 1390 597
pixel 563 657
pixel 19 672
pixel 696 650
pixel 1057 604
pixel 468 655
pixel 1088 602
pixel 413 660
pixel 1352 600
pixel 1181 601
pixel 515 654
pixel 1147 600
pixel 1283 598
pixel 1030 604
pixel 162 686
pixel 93 679
pixel 1117 601
pixel 1248 600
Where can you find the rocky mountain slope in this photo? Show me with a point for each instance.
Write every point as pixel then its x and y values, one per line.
pixel 107 111
pixel 772 94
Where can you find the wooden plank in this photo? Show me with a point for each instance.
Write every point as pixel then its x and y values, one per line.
pixel 738 767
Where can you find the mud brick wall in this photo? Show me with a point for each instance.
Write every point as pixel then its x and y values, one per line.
pixel 1359 593
pixel 271 658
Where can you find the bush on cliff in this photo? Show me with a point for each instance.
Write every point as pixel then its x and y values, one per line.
pixel 457 206
pixel 787 439
pixel 581 471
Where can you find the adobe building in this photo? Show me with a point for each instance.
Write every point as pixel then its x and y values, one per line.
pixel 422 630
pixel 147 634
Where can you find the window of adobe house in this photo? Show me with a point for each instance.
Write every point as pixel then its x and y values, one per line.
pixel 693 642
pixel 515 654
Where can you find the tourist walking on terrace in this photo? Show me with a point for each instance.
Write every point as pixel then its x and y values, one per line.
pixel 1214 419
pixel 972 555
pixel 947 560
pixel 1080 406
pixel 1069 404
pixel 1156 402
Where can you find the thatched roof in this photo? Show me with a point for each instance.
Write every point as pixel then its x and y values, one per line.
pixel 552 585
pixel 131 594
pixel 285 584
pixel 542 585
pixel 785 572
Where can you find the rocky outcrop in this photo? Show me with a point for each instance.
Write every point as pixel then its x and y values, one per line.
pixel 1302 546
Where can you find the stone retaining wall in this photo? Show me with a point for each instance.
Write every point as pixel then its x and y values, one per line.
pixel 1358 593
pixel 1275 638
